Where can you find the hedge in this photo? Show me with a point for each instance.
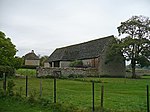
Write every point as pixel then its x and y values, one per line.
pixel 9 71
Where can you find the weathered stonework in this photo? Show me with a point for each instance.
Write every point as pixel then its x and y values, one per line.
pixel 67 71
pixel 32 62
pixel 93 54
pixel 113 68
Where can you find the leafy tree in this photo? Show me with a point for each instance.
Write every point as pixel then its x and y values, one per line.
pixel 7 50
pixel 43 59
pixel 135 47
pixel 17 62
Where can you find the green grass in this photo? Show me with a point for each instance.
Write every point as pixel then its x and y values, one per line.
pixel 24 72
pixel 12 105
pixel 122 95
pixel 19 104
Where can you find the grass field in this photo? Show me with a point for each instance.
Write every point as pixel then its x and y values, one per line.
pixel 29 72
pixel 12 105
pixel 122 95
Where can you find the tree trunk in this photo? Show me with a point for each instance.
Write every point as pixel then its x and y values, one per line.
pixel 133 68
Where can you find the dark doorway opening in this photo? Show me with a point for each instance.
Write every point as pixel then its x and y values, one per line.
pixel 57 64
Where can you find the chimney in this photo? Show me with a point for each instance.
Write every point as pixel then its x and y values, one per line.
pixel 32 51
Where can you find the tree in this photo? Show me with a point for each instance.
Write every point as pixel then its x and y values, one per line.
pixel 7 50
pixel 43 59
pixel 136 45
pixel 17 62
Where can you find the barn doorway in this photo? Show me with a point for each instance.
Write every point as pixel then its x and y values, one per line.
pixel 57 64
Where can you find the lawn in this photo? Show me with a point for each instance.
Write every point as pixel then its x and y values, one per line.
pixel 12 105
pixel 122 95
pixel 24 72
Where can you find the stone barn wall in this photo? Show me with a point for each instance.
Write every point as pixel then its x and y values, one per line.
pixel 32 62
pixel 67 71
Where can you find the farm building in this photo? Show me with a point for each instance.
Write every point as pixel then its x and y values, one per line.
pixel 92 54
pixel 31 59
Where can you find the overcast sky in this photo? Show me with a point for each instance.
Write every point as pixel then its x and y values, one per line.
pixel 44 25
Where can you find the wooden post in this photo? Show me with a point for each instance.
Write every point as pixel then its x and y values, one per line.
pixel 147 98
pixel 26 85
pixel 4 83
pixel 40 88
pixel 93 108
pixel 102 96
pixel 54 90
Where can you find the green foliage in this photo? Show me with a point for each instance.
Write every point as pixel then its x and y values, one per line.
pixel 135 47
pixel 41 105
pixel 29 72
pixel 114 52
pixel 9 71
pixel 43 59
pixel 17 62
pixel 76 63
pixel 75 76
pixel 1 93
pixel 32 97
pixel 10 87
pixel 7 50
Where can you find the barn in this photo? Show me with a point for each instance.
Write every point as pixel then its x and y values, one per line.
pixel 31 59
pixel 92 54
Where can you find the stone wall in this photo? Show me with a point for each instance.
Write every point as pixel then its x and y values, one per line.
pixel 32 62
pixel 113 68
pixel 64 64
pixel 67 71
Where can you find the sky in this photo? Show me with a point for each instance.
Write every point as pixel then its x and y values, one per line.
pixel 44 25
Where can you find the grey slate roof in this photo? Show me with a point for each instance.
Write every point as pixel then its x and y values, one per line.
pixel 86 50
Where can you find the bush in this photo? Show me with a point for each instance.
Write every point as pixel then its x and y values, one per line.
pixel 76 63
pixel 75 76
pixel 10 87
pixel 9 71
pixel 72 76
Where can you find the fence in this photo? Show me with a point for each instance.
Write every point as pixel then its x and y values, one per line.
pixel 83 93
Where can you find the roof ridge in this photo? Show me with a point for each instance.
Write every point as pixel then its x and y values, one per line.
pixel 85 42
pixel 85 50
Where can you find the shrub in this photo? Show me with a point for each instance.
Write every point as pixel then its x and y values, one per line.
pixel 1 93
pixel 72 76
pixel 76 63
pixel 32 97
pixel 9 71
pixel 10 86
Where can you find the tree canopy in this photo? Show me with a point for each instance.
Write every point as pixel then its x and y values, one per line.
pixel 135 47
pixel 7 50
